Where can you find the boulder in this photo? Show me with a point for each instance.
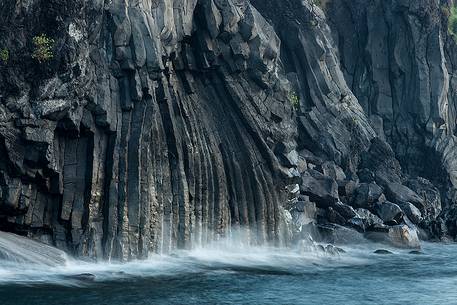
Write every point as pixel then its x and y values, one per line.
pixel 416 252
pixel 344 210
pixel 303 213
pixel 411 211
pixel 401 236
pixel 364 220
pixel 366 195
pixel 321 189
pixel 346 188
pixel 397 192
pixel 389 212
pixel 382 251
pixel 430 207
pixel 335 217
pixel 337 234
pixel 329 168
pixel 380 159
pixel 333 250
pixel 365 175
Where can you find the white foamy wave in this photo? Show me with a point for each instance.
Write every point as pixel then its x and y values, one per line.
pixel 44 264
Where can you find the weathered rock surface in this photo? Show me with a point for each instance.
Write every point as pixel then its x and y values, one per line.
pixel 320 188
pixel 399 60
pixel 366 195
pixel 411 212
pixel 155 126
pixel 162 125
pixel 364 220
pixel 389 212
pixel 401 236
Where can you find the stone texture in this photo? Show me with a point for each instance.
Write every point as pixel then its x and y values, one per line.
pixel 389 212
pixel 151 134
pixel 320 188
pixel 364 220
pixel 366 195
pixel 162 125
pixel 401 236
pixel 399 61
pixel 411 212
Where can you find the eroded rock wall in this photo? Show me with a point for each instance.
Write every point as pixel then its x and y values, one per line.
pixel 399 60
pixel 158 124
pixel 164 124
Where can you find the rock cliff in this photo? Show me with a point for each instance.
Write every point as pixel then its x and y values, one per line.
pixel 163 124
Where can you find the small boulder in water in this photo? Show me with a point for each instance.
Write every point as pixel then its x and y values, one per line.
pixel 311 246
pixel 382 251
pixel 331 249
pixel 416 252
pixel 86 277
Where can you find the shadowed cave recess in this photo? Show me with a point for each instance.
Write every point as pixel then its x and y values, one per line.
pixel 166 124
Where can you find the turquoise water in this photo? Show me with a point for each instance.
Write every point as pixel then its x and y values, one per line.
pixel 244 275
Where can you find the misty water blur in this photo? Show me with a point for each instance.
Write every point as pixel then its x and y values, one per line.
pixel 27 262
pixel 229 271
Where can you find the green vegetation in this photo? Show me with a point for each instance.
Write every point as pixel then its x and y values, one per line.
pixel 43 48
pixel 4 55
pixel 452 21
pixel 294 100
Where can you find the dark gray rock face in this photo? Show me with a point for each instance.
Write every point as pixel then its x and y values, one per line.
pixel 389 212
pixel 320 188
pixel 411 212
pixel 163 124
pixel 401 236
pixel 154 126
pixel 399 61
pixel 366 195
pixel 430 195
pixel 400 193
pixel 364 220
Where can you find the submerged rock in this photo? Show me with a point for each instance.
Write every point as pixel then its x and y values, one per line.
pixel 309 245
pixel 85 277
pixel 416 252
pixel 382 251
pixel 333 250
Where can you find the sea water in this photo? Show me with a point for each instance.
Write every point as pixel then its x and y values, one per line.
pixel 233 273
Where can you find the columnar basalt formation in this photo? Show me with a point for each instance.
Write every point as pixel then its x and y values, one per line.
pixel 161 124
pixel 158 125
pixel 399 60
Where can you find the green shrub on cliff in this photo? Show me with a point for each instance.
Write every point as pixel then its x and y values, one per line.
pixel 294 100
pixel 4 55
pixel 43 46
pixel 452 21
